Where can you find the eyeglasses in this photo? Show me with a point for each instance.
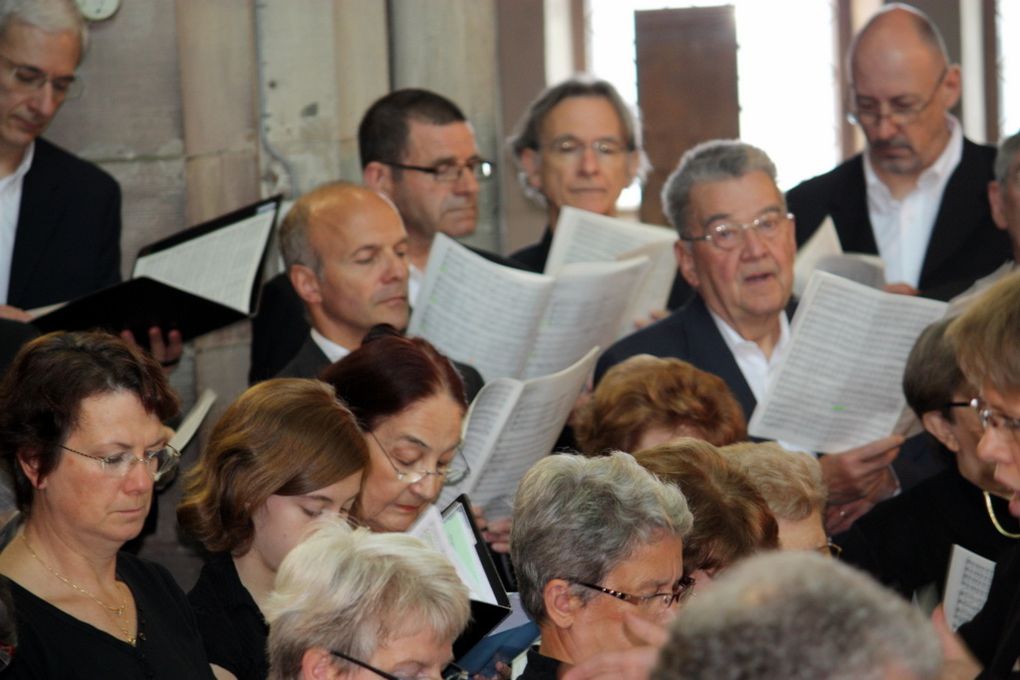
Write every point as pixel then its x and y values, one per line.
pixel 829 549
pixel 447 473
pixel 451 172
pixel 996 420
pixel 867 112
pixel 451 672
pixel 728 236
pixel 29 78
pixel 656 603
pixel 159 462
pixel 570 148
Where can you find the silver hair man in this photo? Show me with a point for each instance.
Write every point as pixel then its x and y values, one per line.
pixel 52 16
pixel 798 616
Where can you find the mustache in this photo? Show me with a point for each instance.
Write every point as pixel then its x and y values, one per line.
pixel 894 143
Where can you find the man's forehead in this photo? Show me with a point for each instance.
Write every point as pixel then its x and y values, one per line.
pixel 355 220
pixel 585 117
pixel 431 142
pixel 743 197
pixel 55 52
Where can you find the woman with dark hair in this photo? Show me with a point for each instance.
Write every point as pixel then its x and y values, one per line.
pixel 283 454
pixel 409 401
pixel 81 435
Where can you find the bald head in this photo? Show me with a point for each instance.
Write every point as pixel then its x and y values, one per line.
pixel 903 88
pixel 346 253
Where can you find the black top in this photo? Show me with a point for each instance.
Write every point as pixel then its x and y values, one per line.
pixel 230 622
pixel 532 258
pixel 54 644
pixel 906 542
pixel 993 636
pixel 540 667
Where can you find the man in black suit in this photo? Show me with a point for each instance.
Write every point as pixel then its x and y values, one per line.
pixel 916 197
pixel 736 250
pixel 60 225
pixel 418 149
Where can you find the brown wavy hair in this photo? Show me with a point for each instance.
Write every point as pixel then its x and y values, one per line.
pixel 284 437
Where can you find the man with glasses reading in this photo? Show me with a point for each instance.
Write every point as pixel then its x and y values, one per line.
pixel 736 250
pixel 59 215
pixel 916 196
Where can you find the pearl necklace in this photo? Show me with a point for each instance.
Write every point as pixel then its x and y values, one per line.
pixel 117 613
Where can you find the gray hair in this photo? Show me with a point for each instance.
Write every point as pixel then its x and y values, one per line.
pixel 1008 149
pixel 352 590
pixel 789 481
pixel 51 16
pixel 529 127
pixel 577 518
pixel 712 161
pixel 798 616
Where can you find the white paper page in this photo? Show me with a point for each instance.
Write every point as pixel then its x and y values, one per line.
pixel 653 290
pixel 478 312
pixel 220 266
pixel 866 269
pixel 462 538
pixel 967 585
pixel 485 419
pixel 189 425
pixel 582 236
pixel 586 309
pixel 839 383
pixel 431 530
pixel 528 435
pixel 824 242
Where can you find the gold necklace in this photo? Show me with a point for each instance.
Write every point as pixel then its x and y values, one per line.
pixel 118 611
pixel 995 520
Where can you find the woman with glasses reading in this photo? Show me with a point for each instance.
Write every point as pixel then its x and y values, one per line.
pixel 283 454
pixel 364 606
pixel 82 437
pixel 594 542
pixel 409 401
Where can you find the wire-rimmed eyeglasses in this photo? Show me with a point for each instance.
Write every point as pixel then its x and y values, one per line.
pixel 871 114
pixel 29 78
pixel 656 603
pixel 731 236
pixel 992 419
pixel 447 473
pixel 159 462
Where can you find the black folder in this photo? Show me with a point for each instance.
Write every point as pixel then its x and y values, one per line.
pixel 142 302
pixel 484 615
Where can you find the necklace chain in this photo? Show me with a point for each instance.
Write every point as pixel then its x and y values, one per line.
pixel 995 520
pixel 117 612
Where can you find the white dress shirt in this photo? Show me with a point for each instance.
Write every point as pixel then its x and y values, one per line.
pixel 750 358
pixel 10 210
pixel 903 227
pixel 333 351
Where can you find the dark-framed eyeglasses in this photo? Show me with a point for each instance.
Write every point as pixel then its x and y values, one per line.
pixel 451 672
pixel 656 603
pixel 447 473
pixel 28 78
pixel 992 419
pixel 732 236
pixel 571 148
pixel 479 168
pixel 867 112
pixel 159 462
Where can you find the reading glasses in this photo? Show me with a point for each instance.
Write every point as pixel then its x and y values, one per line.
pixel 158 462
pixel 452 172
pixel 447 473
pixel 867 112
pixel 571 148
pixel 991 419
pixel 451 672
pixel 731 236
pixel 27 78
pixel 656 603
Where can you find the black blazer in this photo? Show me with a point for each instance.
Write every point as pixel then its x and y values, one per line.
pixel 13 334
pixel 689 334
pixel 67 242
pixel 965 243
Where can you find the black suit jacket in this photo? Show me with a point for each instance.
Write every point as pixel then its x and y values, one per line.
pixel 689 334
pixel 13 334
pixel 310 361
pixel 965 243
pixel 67 242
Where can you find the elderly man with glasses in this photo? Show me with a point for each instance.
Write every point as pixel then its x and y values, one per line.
pixel 736 250
pixel 916 197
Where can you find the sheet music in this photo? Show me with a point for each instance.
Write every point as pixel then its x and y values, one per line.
pixel 586 309
pixel 220 266
pixel 189 425
pixel 430 528
pixel 528 435
pixel 582 236
pixel 967 585
pixel 866 269
pixel 477 311
pixel 823 243
pixel 653 291
pixel 838 384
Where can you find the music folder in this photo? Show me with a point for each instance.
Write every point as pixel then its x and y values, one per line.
pixel 196 281
pixel 490 603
